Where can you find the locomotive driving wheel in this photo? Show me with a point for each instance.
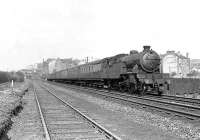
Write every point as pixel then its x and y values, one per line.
pixel 122 88
pixel 141 88
pixel 160 92
pixel 132 89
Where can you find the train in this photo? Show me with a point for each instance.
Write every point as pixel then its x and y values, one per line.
pixel 134 73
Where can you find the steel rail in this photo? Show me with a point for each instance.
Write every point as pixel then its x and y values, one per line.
pixel 47 136
pixel 164 102
pixel 2 84
pixel 156 99
pixel 188 114
pixel 181 100
pixel 164 96
pixel 142 98
pixel 169 97
pixel 155 106
pixel 103 130
pixel 184 99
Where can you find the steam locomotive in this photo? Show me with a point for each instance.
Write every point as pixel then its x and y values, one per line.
pixel 135 73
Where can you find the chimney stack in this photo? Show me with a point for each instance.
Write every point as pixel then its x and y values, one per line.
pixel 146 48
pixel 187 54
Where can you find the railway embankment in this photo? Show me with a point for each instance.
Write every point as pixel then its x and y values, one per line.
pixel 10 105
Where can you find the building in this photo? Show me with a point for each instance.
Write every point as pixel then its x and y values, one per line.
pixel 71 62
pixel 175 64
pixel 58 65
pixel 39 68
pixel 27 72
pixel 45 67
pixel 30 67
pixel 195 64
pixel 52 65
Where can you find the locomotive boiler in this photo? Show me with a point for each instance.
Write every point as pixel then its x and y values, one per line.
pixel 148 60
pixel 137 73
pixel 144 72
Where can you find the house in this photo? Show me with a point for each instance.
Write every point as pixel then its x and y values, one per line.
pixel 195 64
pixel 175 64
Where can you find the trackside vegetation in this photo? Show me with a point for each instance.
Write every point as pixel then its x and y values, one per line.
pixel 9 76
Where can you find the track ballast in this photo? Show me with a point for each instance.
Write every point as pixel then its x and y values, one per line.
pixel 61 120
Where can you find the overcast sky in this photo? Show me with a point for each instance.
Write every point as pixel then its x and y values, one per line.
pixel 31 30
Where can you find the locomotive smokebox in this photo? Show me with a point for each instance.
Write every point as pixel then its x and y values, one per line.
pixel 148 60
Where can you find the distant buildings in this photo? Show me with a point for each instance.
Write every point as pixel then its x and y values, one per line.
pixel 56 65
pixel 60 64
pixel 39 68
pixel 30 67
pixel 51 65
pixel 27 72
pixel 175 64
pixel 195 64
pixel 45 67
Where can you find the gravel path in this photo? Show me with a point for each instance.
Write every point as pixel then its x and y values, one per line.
pixel 134 123
pixel 27 125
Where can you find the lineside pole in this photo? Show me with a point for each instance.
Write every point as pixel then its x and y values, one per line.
pixel 12 86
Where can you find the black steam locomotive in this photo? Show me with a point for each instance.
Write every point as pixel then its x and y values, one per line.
pixel 137 73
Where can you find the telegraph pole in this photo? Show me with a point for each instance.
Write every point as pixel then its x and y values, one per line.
pixel 87 59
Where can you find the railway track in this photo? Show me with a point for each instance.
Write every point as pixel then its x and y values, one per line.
pixel 182 101
pixel 163 98
pixel 173 107
pixel 4 84
pixel 191 101
pixel 62 121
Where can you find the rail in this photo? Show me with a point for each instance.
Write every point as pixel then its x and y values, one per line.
pixel 129 99
pixel 103 130
pixel 42 117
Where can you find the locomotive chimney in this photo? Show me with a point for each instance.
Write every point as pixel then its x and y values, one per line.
pixel 146 48
pixel 187 55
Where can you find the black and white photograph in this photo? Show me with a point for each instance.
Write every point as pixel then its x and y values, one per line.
pixel 99 70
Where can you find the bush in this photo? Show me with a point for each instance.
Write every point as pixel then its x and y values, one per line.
pixel 4 77
pixel 20 76
pixel 17 76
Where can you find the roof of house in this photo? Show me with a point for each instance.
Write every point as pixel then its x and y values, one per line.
pixel 195 60
pixel 174 53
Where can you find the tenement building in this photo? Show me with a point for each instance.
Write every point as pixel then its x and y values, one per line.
pixel 195 64
pixel 175 64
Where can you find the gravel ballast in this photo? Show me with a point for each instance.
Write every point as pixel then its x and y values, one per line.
pixel 27 125
pixel 175 128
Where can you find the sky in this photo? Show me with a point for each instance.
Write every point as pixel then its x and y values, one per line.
pixel 33 30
